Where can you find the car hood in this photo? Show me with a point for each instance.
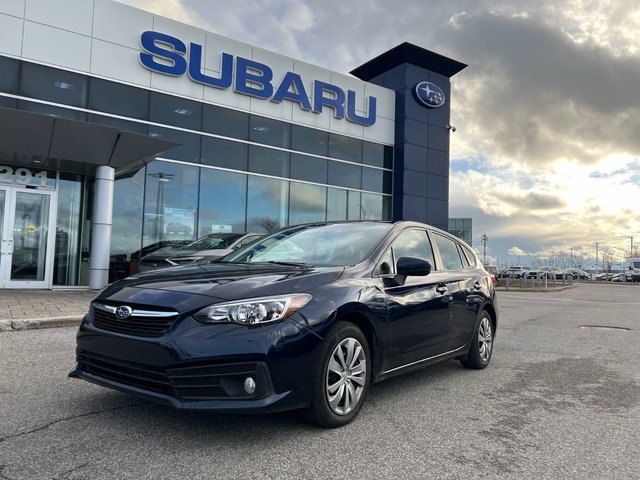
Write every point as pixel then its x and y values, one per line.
pixel 220 281
pixel 212 252
pixel 168 252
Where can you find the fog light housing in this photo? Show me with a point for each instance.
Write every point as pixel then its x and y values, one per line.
pixel 249 385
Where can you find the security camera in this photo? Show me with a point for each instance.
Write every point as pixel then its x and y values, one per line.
pixel 451 127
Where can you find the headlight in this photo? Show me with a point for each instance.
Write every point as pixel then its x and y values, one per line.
pixel 254 310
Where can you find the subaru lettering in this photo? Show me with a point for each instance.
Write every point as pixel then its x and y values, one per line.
pixel 170 56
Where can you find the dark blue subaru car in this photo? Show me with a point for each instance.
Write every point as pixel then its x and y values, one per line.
pixel 307 317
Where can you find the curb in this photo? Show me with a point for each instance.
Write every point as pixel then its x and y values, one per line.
pixel 8 325
pixel 534 289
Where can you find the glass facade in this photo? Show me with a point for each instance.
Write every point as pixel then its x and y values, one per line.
pixel 461 228
pixel 233 171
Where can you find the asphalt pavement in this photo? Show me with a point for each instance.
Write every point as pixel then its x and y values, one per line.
pixel 560 400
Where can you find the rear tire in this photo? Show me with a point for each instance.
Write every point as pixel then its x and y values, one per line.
pixel 342 377
pixel 481 348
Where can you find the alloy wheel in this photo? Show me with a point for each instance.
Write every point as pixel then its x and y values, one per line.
pixel 485 339
pixel 346 376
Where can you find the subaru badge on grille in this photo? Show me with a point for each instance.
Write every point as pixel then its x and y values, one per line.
pixel 123 312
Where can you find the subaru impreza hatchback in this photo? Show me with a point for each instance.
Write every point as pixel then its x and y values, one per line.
pixel 307 317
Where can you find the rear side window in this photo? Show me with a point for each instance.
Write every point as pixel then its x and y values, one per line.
pixel 448 252
pixel 470 256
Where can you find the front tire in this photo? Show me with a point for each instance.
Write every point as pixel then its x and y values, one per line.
pixel 481 347
pixel 342 377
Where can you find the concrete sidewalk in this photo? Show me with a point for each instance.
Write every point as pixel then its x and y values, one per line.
pixel 26 309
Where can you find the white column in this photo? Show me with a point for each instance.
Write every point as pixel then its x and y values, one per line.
pixel 101 228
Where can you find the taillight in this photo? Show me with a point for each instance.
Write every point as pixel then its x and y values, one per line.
pixel 494 279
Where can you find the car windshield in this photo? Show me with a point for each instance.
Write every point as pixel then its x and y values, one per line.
pixel 337 244
pixel 218 240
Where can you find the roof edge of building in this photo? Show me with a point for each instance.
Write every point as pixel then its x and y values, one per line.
pixel 408 53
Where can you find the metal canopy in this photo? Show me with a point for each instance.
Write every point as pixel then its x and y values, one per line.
pixel 33 139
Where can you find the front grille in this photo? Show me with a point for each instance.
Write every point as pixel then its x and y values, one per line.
pixel 141 323
pixel 136 376
pixel 206 382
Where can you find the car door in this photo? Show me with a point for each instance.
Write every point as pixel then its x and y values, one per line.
pixel 418 308
pixel 464 287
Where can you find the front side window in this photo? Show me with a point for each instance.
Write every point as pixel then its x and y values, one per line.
pixel 413 243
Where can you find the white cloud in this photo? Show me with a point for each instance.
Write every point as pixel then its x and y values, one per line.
pixel 174 9
pixel 547 113
pixel 517 252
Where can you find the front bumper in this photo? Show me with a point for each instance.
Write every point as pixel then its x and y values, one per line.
pixel 204 367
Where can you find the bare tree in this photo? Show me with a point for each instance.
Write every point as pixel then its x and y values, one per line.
pixel 607 260
pixel 269 224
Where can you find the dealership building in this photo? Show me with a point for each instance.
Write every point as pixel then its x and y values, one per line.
pixel 122 131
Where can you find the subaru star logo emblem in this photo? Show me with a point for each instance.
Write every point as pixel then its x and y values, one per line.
pixel 429 94
pixel 123 312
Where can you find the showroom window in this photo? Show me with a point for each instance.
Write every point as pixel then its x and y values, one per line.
pixel 176 111
pixel 268 161
pixel 374 207
pixel 376 180
pixel 269 132
pixel 311 169
pixel 118 99
pixel 267 202
pixel 224 153
pixel 226 122
pixel 377 155
pixel 309 140
pixel 345 175
pixel 345 148
pixel 171 201
pixel 9 78
pixel 307 203
pixel 53 85
pixel 188 148
pixel 223 201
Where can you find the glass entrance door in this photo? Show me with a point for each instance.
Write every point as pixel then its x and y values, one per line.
pixel 27 238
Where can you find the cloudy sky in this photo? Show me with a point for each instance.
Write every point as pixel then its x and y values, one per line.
pixel 546 156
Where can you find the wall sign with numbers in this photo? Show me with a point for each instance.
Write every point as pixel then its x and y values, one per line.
pixel 21 176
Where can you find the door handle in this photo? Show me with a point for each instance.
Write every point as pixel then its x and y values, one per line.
pixel 441 289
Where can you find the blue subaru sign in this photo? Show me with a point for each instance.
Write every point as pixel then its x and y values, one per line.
pixel 429 94
pixel 169 55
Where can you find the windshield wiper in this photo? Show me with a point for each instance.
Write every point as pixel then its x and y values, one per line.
pixel 293 264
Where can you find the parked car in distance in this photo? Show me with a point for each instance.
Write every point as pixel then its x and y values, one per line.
pixel 122 265
pixel 633 269
pixel 577 273
pixel 515 272
pixel 206 249
pixel 307 317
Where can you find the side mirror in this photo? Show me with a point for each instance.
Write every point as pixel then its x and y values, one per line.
pixel 413 267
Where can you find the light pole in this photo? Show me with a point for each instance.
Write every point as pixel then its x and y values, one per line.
pixel 162 179
pixel 484 239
